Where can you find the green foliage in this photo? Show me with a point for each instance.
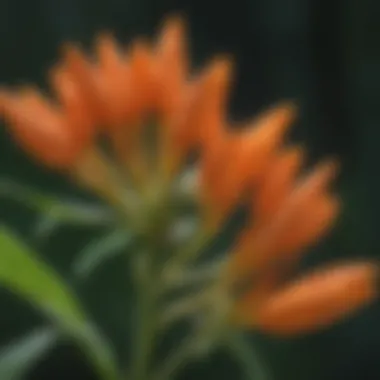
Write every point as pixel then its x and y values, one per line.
pixel 53 210
pixel 247 356
pixel 22 272
pixel 99 250
pixel 18 358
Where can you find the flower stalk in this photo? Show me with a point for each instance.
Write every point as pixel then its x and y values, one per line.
pixel 145 336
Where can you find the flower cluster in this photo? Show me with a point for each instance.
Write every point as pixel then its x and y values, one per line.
pixel 155 118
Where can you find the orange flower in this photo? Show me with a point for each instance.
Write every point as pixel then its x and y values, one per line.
pixel 242 159
pixel 312 302
pixel 288 215
pixel 277 183
pixel 116 92
pixel 198 121
pixel 43 129
pixel 255 147
pixel 302 218
pixel 79 116
pixel 171 70
pixel 111 76
pixel 82 71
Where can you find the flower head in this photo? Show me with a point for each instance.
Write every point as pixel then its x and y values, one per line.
pixel 117 94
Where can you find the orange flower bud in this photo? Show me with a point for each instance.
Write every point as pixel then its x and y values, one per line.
pixel 317 300
pixel 277 184
pixel 75 107
pixel 208 121
pixel 83 72
pixel 243 157
pixel 310 225
pixel 254 148
pixel 112 78
pixel 171 68
pixel 217 82
pixel 316 182
pixel 142 82
pixel 213 138
pixel 211 195
pixel 40 128
pixel 304 217
pixel 181 134
pixel 199 119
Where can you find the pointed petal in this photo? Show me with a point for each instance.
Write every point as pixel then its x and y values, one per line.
pixel 307 214
pixel 318 300
pixel 39 128
pixel 83 72
pixel 172 67
pixel 277 184
pixel 256 147
pixel 113 79
pixel 142 81
pixel 74 106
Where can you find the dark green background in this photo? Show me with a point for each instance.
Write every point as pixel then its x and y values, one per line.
pixel 324 54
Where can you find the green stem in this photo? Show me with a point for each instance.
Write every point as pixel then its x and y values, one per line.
pixel 182 308
pixel 175 278
pixel 176 361
pixel 147 323
pixel 191 252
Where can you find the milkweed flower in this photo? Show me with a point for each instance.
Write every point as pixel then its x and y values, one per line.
pixel 116 94
pixel 317 300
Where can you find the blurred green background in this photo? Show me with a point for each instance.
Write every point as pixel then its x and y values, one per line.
pixel 323 54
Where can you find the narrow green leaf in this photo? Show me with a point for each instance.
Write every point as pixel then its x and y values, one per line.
pixel 251 363
pixel 20 356
pixel 24 194
pixel 25 274
pixel 100 250
pixel 62 211
pixel 78 212
pixel 45 227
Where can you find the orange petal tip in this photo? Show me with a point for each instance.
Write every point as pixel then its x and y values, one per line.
pixel 319 299
pixel 221 67
pixel 173 23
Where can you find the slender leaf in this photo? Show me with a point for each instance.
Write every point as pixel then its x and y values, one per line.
pixel 64 211
pixel 45 226
pixel 100 250
pixel 248 357
pixel 24 274
pixel 20 356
